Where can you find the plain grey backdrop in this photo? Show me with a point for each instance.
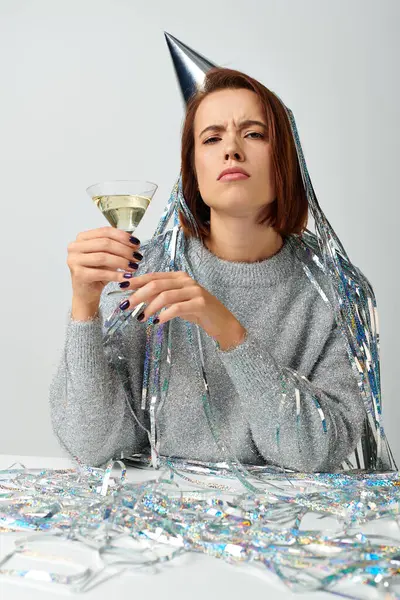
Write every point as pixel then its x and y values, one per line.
pixel 88 93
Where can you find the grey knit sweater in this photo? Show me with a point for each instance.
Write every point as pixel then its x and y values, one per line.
pixel 288 324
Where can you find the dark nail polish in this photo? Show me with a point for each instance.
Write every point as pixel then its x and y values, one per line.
pixel 141 316
pixel 137 255
pixel 124 305
pixel 133 265
pixel 128 275
pixel 124 284
pixel 134 240
pixel 156 321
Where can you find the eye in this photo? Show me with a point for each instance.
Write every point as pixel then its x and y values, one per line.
pixel 210 139
pixel 256 133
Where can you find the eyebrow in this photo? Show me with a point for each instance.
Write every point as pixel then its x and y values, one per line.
pixel 242 125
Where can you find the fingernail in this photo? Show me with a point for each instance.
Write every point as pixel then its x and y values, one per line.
pixel 137 255
pixel 124 305
pixel 134 240
pixel 156 321
pixel 133 265
pixel 124 284
pixel 128 275
pixel 141 316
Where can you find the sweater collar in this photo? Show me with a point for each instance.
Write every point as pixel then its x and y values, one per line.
pixel 269 271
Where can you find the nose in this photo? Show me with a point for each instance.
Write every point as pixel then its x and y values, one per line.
pixel 235 155
pixel 233 150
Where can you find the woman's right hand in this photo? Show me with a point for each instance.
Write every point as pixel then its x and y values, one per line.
pixel 93 260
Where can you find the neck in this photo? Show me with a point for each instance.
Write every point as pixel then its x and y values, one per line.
pixel 239 240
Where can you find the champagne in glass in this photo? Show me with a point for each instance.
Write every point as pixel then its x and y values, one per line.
pixel 124 211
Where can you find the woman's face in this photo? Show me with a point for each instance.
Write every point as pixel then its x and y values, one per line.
pixel 231 142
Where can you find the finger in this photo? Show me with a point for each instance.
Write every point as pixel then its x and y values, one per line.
pixel 159 287
pixel 186 310
pixel 112 233
pixel 162 300
pixel 89 275
pixel 147 278
pixel 85 253
pixel 101 260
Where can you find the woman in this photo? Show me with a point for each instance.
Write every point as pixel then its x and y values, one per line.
pixel 256 310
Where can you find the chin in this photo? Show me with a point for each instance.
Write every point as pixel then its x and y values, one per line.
pixel 235 192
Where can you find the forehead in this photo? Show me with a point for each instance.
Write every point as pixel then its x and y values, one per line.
pixel 222 106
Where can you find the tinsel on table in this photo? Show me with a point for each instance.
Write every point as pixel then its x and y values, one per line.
pixel 189 507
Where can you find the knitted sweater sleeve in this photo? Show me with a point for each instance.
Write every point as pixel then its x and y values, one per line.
pixel 313 429
pixel 89 400
pixel 89 408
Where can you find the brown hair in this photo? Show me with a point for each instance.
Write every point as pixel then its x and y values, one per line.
pixel 288 213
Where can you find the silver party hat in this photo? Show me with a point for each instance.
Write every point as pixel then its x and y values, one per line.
pixel 190 66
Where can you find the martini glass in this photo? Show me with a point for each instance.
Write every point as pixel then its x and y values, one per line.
pixel 123 203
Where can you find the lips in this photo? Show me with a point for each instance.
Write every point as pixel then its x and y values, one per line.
pixel 233 177
pixel 233 173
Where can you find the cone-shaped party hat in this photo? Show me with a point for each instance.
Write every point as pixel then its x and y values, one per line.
pixel 190 66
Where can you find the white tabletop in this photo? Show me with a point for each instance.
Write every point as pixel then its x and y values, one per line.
pixel 192 575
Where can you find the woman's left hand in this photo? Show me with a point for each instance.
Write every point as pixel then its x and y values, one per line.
pixel 185 298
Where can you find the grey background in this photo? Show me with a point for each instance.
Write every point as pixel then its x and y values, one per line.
pixel 88 93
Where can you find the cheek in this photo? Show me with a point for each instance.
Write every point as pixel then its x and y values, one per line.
pixel 264 156
pixel 263 161
pixel 263 169
pixel 204 168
